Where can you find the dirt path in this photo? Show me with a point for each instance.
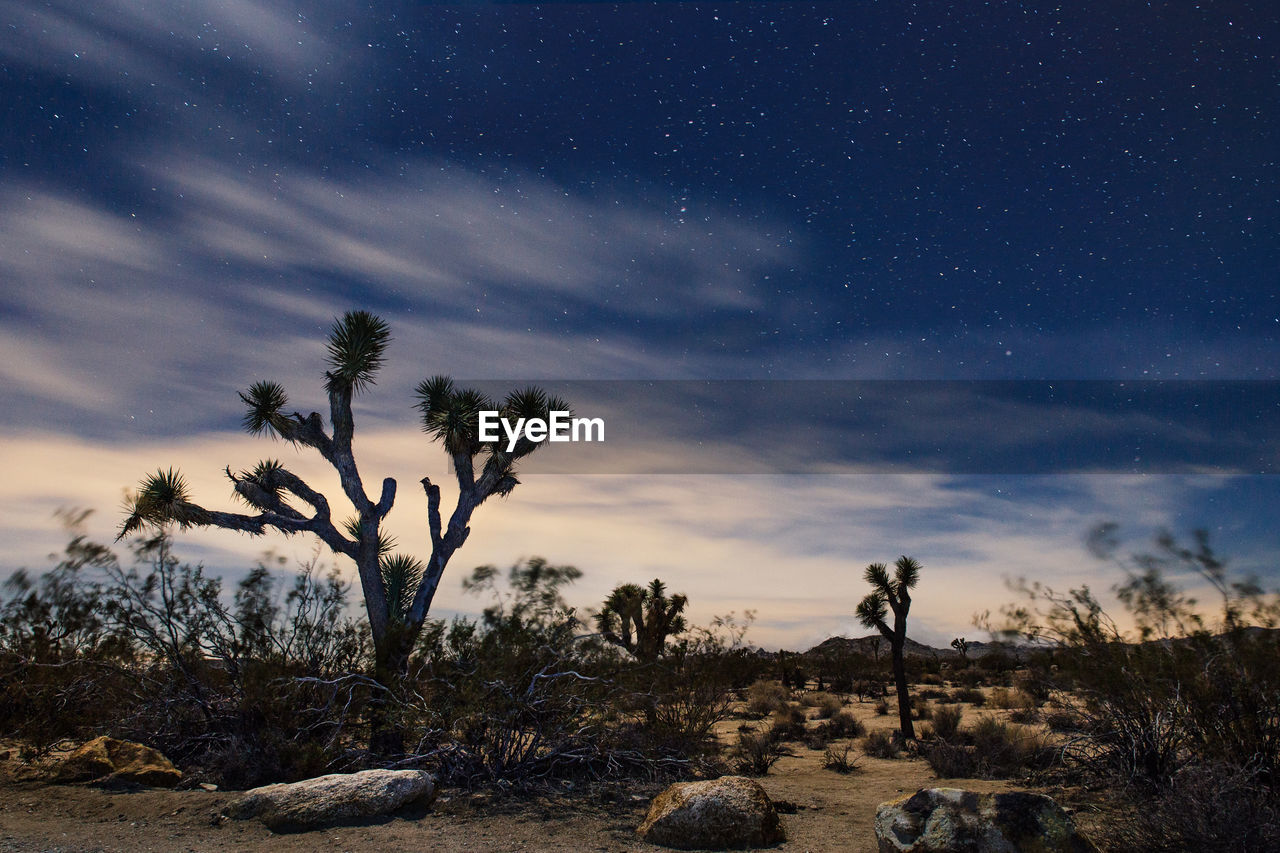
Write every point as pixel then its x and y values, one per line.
pixel 832 812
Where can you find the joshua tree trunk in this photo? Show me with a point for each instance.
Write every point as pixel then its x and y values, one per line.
pixel 904 695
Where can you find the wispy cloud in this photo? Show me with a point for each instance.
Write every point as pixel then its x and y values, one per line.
pixel 134 47
pixel 230 283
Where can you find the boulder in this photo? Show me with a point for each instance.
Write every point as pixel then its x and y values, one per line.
pixel 949 820
pixel 108 759
pixel 729 813
pixel 333 799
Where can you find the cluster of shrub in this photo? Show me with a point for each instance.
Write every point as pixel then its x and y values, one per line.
pixel 1178 717
pixel 273 680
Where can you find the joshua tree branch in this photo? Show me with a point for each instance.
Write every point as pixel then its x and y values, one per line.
pixel 387 498
pixel 443 544
pixel 307 430
pixel 433 512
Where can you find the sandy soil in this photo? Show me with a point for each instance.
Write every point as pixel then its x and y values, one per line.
pixel 832 812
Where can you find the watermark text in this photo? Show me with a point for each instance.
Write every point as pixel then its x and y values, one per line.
pixel 558 426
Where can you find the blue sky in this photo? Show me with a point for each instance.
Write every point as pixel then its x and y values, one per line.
pixel 192 191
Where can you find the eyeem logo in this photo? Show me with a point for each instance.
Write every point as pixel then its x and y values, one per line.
pixel 560 426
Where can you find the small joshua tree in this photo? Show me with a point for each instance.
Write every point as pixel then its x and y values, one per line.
pixel 398 589
pixel 961 645
pixel 640 619
pixel 892 594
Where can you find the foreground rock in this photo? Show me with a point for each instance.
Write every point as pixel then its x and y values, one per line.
pixel 108 759
pixel 949 820
pixel 338 798
pixel 729 813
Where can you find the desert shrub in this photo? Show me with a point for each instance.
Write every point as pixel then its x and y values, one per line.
pixel 1024 708
pixel 1025 714
pixel 1007 750
pixel 829 706
pixel 693 695
pixel 932 694
pixel 998 663
pixel 972 695
pixel 932 678
pixel 881 744
pixel 865 688
pixel 62 665
pixel 788 723
pixel 844 724
pixel 757 752
pixel 1204 807
pixel 970 677
pixel 241 691
pixel 1034 683
pixel 882 708
pixel 1060 719
pixel 512 701
pixel 922 711
pixel 817 738
pixel 990 750
pixel 765 697
pixel 1179 692
pixel 950 760
pixel 520 702
pixel 946 721
pixel 840 759
pixel 270 681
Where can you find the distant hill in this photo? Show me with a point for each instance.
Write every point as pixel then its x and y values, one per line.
pixel 977 649
pixel 866 646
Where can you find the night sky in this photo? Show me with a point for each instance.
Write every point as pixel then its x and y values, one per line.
pixel 192 191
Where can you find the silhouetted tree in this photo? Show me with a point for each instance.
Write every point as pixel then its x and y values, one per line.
pixel 892 594
pixel 398 589
pixel 961 645
pixel 533 594
pixel 640 619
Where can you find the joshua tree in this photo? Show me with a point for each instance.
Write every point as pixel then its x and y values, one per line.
pixel 640 619
pixel 892 594
pixel 961 645
pixel 398 589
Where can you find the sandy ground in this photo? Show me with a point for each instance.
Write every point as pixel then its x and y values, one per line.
pixel 832 812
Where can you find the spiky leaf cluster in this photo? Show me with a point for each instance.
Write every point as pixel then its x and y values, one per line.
pixel 386 542
pixel 526 403
pixel 261 487
pixel 355 349
pixel 451 415
pixel 266 402
pixel 401 575
pixel 887 593
pixel 162 498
